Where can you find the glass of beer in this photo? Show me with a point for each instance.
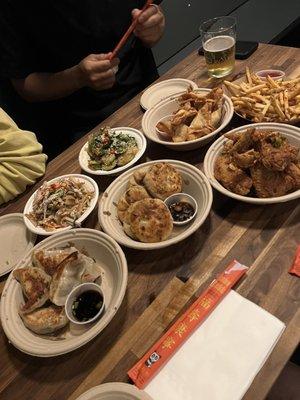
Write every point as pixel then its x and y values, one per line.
pixel 218 41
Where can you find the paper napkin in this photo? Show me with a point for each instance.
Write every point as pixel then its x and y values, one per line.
pixel 222 357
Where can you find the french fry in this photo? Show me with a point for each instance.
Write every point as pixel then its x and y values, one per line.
pixel 266 100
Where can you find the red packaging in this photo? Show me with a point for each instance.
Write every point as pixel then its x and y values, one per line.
pixel 166 346
pixel 295 268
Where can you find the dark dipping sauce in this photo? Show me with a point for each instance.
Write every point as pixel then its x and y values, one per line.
pixel 273 74
pixel 181 211
pixel 87 305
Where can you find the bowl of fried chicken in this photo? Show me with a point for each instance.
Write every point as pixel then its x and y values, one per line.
pixel 188 120
pixel 256 163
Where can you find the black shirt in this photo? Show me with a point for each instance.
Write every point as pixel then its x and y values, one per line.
pixel 53 35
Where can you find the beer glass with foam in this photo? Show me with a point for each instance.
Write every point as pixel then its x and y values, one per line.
pixel 218 41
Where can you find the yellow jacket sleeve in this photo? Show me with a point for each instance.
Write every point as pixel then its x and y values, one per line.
pixel 21 159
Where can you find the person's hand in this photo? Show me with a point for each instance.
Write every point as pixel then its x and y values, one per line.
pixel 97 72
pixel 150 26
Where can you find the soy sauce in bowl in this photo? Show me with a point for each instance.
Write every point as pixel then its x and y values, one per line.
pixel 87 305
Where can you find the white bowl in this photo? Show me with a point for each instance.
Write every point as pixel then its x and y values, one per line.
pixel 114 281
pixel 141 143
pixel 115 391
pixel 167 107
pixel 292 133
pixel 90 184
pixel 194 183
pixel 72 296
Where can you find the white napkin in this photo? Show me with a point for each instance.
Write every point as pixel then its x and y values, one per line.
pixel 222 357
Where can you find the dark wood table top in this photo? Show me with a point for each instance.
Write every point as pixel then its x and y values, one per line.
pixel 163 283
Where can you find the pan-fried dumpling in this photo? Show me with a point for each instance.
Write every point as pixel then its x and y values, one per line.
pixel 67 276
pixel 92 271
pixel 49 260
pixel 35 285
pixel 45 320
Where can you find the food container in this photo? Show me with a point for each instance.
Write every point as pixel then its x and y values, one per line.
pixel 182 197
pixel 115 391
pixel 275 74
pixel 292 133
pixel 167 107
pixel 141 143
pixel 73 295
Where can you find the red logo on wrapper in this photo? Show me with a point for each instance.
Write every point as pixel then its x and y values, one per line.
pixel 166 346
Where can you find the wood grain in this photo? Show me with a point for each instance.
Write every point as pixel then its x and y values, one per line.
pixel 163 283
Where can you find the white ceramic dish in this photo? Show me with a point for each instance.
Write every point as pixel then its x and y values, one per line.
pixel 90 184
pixel 141 142
pixel 194 183
pixel 15 241
pixel 114 281
pixel 115 391
pixel 161 90
pixel 77 291
pixel 167 107
pixel 290 132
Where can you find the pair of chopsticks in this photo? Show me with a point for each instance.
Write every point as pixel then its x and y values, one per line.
pixel 128 33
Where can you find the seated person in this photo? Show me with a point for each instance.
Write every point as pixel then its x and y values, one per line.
pixel 55 61
pixel 21 159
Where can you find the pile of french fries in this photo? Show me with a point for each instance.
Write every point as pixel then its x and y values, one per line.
pixel 266 100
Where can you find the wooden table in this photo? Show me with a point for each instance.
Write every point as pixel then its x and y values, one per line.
pixel 163 283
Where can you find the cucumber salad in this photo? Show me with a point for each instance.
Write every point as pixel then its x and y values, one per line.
pixel 108 149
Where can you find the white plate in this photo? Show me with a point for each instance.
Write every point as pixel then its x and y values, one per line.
pixel 167 107
pixel 115 391
pixel 141 142
pixel 90 184
pixel 290 132
pixel 15 241
pixel 113 262
pixel 194 183
pixel 161 90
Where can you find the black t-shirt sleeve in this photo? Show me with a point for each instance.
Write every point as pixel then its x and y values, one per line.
pixel 16 49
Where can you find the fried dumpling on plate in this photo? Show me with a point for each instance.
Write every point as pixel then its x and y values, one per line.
pixel 92 271
pixel 49 260
pixel 67 276
pixel 35 285
pixel 46 320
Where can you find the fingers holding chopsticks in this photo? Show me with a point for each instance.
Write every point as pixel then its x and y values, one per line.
pixel 150 24
pixel 97 71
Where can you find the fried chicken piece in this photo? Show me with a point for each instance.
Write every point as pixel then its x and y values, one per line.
pixel 269 183
pixel 242 141
pixel 293 170
pixel 247 159
pixel 232 177
pixel 276 152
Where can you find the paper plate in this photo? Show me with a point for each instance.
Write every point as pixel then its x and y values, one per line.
pixel 90 184
pixel 290 132
pixel 15 241
pixel 194 183
pixel 114 281
pixel 141 143
pixel 114 391
pixel 161 90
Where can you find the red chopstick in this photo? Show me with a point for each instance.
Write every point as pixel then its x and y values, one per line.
pixel 128 33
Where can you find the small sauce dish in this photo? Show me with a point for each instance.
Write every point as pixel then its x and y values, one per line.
pixel 182 207
pixel 85 303
pixel 275 74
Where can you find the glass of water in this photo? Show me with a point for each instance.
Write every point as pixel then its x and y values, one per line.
pixel 218 40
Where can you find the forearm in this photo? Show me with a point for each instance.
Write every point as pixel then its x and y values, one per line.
pixel 39 87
